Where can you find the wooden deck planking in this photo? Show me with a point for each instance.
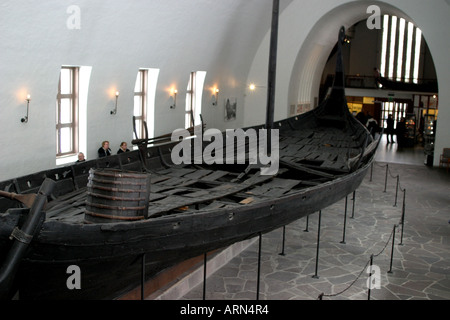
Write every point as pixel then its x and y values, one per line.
pixel 176 187
pixel 174 202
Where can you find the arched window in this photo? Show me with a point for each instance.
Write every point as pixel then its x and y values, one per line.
pixel 194 99
pixel 71 112
pixel 144 100
pixel 400 50
pixel 67 112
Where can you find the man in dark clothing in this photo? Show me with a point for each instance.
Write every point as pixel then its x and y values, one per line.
pixel 401 130
pixel 361 116
pixel 390 129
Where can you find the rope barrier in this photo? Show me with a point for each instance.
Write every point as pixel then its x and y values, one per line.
pixel 385 246
pixel 391 236
pixel 359 275
pixel 388 171
pixel 351 284
pixel 402 220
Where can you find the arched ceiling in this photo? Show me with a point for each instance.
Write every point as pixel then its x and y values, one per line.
pixel 228 39
pixel 320 41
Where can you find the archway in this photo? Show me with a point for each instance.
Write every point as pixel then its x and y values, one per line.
pixel 306 38
pixel 313 55
pixel 306 76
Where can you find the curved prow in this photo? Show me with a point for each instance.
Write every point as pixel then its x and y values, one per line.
pixel 339 71
pixel 22 237
pixel 333 111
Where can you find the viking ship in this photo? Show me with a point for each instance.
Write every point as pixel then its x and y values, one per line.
pixel 116 217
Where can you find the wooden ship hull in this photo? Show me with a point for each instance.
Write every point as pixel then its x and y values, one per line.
pixel 183 211
pixel 211 214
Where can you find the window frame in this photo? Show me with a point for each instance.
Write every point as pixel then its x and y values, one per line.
pixel 400 49
pixel 397 109
pixel 73 124
pixel 143 74
pixel 193 109
pixel 190 102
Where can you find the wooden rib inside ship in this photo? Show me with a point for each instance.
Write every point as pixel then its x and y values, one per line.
pixel 104 215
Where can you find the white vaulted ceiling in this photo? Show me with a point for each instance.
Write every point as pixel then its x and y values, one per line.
pixel 228 39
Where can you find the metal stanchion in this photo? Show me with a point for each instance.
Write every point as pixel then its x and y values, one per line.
pixel 204 275
pixel 370 275
pixel 353 205
pixel 318 241
pixel 371 171
pixel 282 244
pixel 396 190
pixel 143 277
pixel 385 179
pixel 307 224
pixel 259 267
pixel 403 217
pixel 392 250
pixel 345 221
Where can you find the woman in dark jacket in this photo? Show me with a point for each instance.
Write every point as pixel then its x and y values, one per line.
pixel 104 150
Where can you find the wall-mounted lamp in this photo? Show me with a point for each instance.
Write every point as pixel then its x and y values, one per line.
pixel 25 119
pixel 174 97
pixel 253 87
pixel 215 96
pixel 115 108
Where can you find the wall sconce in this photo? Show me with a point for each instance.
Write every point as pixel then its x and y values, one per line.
pixel 215 96
pixel 253 87
pixel 115 108
pixel 174 97
pixel 25 119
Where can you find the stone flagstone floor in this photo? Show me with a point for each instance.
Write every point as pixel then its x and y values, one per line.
pixel 420 264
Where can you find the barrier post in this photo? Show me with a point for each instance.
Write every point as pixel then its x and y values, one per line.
pixel 143 277
pixel 403 216
pixel 392 249
pixel 396 191
pixel 307 224
pixel 370 274
pixel 282 244
pixel 204 275
pixel 345 221
pixel 318 241
pixel 385 178
pixel 353 206
pixel 259 267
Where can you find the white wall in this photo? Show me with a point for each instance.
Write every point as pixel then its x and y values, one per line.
pixel 116 38
pixel 308 34
pixel 228 39
pixel 432 18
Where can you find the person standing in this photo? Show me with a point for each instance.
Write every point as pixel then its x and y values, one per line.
pixel 401 131
pixel 372 125
pixel 390 129
pixel 104 150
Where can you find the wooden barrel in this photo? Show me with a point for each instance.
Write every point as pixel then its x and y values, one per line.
pixel 116 196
